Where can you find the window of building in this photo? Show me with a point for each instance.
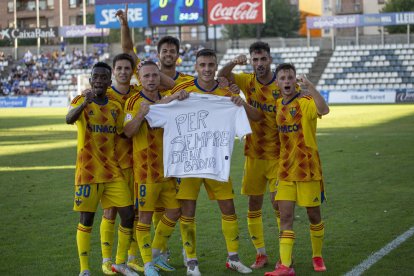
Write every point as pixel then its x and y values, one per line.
pixel 10 6
pixel 50 4
pixel 79 3
pixel 75 20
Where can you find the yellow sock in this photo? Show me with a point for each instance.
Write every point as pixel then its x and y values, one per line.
pixel 83 240
pixel 163 232
pixel 286 241
pixel 124 241
pixel 144 241
pixel 107 237
pixel 133 248
pixel 157 215
pixel 317 233
pixel 188 236
pixel 255 225
pixel 277 213
pixel 230 229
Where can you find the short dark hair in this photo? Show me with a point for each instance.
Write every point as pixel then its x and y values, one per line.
pixel 259 46
pixel 206 53
pixel 168 40
pixel 285 66
pixel 147 63
pixel 123 56
pixel 101 64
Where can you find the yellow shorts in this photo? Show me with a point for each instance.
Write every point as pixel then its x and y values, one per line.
pixel 150 196
pixel 257 174
pixel 128 174
pixel 306 194
pixel 189 188
pixel 112 194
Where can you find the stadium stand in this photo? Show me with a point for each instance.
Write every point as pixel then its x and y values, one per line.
pixel 362 67
pixel 48 74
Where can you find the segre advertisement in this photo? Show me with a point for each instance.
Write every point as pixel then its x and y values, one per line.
pixel 137 15
pixel 236 12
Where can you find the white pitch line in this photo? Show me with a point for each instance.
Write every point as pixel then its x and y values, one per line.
pixel 362 267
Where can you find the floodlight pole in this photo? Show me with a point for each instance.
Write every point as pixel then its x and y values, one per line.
pixel 357 35
pixel 61 17
pixel 38 25
pixel 15 27
pixel 84 24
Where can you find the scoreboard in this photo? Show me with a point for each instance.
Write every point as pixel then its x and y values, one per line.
pixel 176 12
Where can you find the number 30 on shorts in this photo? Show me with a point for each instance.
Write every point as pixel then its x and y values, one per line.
pixel 84 190
pixel 142 190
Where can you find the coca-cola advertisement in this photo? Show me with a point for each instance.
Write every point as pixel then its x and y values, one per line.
pixel 236 12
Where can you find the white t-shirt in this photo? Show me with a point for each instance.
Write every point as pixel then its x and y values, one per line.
pixel 199 135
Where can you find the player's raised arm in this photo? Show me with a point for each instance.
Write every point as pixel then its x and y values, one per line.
pixel 228 67
pixel 166 83
pixel 126 39
pixel 320 103
pixel 74 113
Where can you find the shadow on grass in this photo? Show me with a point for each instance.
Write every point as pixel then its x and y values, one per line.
pixel 19 122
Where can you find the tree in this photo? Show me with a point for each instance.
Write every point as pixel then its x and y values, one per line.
pixel 282 19
pixel 398 6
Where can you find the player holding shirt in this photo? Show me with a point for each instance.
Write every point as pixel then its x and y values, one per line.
pixel 300 173
pixel 206 67
pixel 262 146
pixel 152 187
pixel 168 52
pixel 98 175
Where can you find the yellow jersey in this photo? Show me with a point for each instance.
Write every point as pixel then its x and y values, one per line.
pixel 98 126
pixel 123 145
pixel 299 157
pixel 263 143
pixel 192 86
pixel 147 144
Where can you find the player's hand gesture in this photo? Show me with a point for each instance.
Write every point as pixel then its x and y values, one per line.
pixel 144 109
pixel 123 15
pixel 240 60
pixel 234 89
pixel 304 84
pixel 89 95
pixel 222 82
pixel 182 95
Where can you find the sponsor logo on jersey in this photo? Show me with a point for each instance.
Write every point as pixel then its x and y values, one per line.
pixel 263 106
pixel 102 128
pixel 288 128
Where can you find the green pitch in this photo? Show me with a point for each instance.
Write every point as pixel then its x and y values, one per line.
pixel 367 153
